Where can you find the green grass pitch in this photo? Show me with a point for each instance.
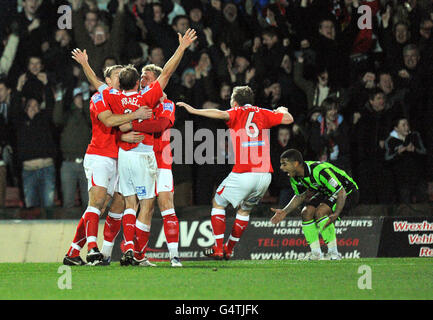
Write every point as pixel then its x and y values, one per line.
pixel 391 278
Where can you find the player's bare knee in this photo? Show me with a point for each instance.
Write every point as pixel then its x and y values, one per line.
pixel 308 213
pixel 165 201
pixel 118 203
pixel 322 211
pixel 216 205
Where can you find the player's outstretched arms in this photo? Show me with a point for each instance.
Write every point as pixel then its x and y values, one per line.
pixel 82 58
pixel 114 120
pixel 208 113
pixel 172 64
pixel 280 214
pixel 287 117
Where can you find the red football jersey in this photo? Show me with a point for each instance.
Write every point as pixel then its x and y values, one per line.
pixel 250 139
pixel 103 141
pixel 161 145
pixel 122 102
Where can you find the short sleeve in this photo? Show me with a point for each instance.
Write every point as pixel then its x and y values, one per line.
pixel 99 104
pixel 152 94
pixel 232 117
pixel 167 110
pixel 272 118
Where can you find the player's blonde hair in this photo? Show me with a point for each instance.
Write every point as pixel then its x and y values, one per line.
pixel 109 70
pixel 152 68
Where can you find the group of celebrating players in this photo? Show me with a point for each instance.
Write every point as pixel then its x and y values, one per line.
pixel 128 166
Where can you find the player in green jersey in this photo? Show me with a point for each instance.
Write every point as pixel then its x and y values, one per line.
pixel 325 191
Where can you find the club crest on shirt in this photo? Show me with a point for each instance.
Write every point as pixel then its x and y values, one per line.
pixel 167 106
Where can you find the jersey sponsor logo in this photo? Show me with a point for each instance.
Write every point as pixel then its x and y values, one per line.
pixel 167 106
pixel 141 191
pixel 252 144
pixel 333 183
pixel 97 97
pixel 114 91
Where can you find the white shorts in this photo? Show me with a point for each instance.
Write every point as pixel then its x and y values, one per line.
pixel 137 174
pixel 244 189
pixel 101 171
pixel 164 181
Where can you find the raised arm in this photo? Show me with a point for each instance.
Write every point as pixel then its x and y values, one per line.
pixel 208 113
pixel 82 58
pixel 172 64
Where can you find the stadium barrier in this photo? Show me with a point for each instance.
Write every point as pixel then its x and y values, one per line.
pixel 357 237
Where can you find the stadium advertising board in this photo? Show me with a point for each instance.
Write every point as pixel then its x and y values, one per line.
pixel 407 237
pixel 356 238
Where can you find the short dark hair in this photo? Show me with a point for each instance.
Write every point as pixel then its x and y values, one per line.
pixel 178 17
pixel 372 93
pixel 128 77
pixel 329 104
pixel 292 155
pixel 397 118
pixel 109 70
pixel 243 95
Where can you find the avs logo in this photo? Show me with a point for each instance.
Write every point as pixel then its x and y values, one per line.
pixel 167 106
pixel 141 191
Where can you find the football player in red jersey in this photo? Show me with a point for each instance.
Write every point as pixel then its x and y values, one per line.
pixel 137 163
pixel 164 115
pixel 249 180
pixel 100 164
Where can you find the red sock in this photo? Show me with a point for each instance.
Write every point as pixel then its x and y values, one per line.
pixel 112 226
pixel 79 240
pixel 171 226
pixel 218 220
pixel 142 233
pixel 91 223
pixel 128 223
pixel 238 229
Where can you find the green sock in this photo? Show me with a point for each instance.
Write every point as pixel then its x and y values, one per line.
pixel 311 233
pixel 328 234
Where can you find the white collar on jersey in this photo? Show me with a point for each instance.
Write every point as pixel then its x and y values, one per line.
pixel 129 93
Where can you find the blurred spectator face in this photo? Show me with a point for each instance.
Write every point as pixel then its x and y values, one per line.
pixel 283 136
pixel 195 15
pixel 188 78
pixel 401 33
pixel 331 114
pixel 378 102
pixel 225 92
pixel 35 65
pixel 241 64
pixel 32 108
pixel 230 12
pixel 327 29
pixel 109 62
pixel 275 90
pixel 286 64
pixel 157 57
pixel 386 83
pixel 63 37
pixel 90 21
pixel 323 79
pixel 158 14
pixel 99 35
pixel 181 26
pixel 78 101
pixel 425 29
pixel 140 3
pixel 403 127
pixel 269 41
pixel 31 6
pixel 204 61
pixel 411 58
pixel 113 80
pixel 4 93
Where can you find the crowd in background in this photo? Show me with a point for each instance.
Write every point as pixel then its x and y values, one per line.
pixel 360 89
